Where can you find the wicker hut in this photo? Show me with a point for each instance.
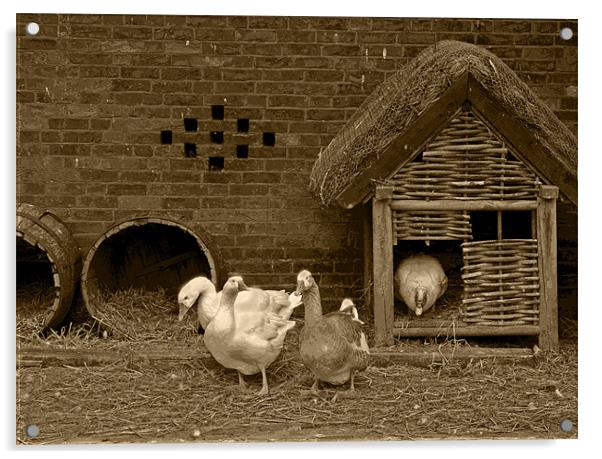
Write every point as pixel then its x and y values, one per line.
pixel 451 140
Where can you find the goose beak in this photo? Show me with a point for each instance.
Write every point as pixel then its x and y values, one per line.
pixel 183 310
pixel 299 289
pixel 241 285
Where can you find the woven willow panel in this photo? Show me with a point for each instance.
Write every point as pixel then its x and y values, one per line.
pixel 431 226
pixel 501 282
pixel 465 161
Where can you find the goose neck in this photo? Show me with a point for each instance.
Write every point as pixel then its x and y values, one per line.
pixel 226 307
pixel 313 305
pixel 208 296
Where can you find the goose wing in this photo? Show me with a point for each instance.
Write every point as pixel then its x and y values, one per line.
pixel 335 345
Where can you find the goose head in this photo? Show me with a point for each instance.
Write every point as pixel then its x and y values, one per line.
pixel 348 306
pixel 421 300
pixel 190 293
pixel 234 285
pixel 305 281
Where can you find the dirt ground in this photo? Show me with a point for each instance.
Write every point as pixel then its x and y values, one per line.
pixel 186 401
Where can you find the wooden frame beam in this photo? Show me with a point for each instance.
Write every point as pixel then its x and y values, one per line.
pixel 456 204
pixel 548 283
pixel 382 250
pixel 471 330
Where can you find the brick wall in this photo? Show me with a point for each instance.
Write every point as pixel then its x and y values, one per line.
pixel 95 91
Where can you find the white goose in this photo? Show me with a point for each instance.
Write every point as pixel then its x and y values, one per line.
pixel 420 281
pixel 201 291
pixel 249 341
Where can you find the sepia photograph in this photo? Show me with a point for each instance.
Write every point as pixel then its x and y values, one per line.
pixel 307 228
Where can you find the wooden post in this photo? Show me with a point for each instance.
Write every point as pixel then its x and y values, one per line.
pixel 548 289
pixel 382 243
pixel 367 256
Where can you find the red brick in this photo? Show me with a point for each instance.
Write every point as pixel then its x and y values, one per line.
pixel 140 202
pixel 312 62
pixel 46 137
pixel 181 73
pixel 465 37
pixel 512 26
pixel 422 25
pixel 275 88
pixel 82 137
pixel 81 18
pixel 341 50
pixel 32 188
pixel 85 31
pixel 391 24
pixel 317 88
pixel 376 37
pixel 113 19
pixel 130 85
pixel 98 72
pixel 337 37
pixel 179 33
pixel 172 86
pixel 69 150
pixel 238 21
pixel 133 32
pixel 545 27
pixel 24 97
pixel 36 43
pixel 67 123
pixel 240 74
pixel 90 58
pixel 324 114
pixel 214 35
pixel 238 87
pixel 284 114
pixel 494 39
pixel 256 36
pixel 267 22
pixel 323 75
pixel 538 40
pixel 146 59
pixel 562 78
pixel 248 190
pixel 139 72
pixel 319 101
pixel 568 103
pixel 181 203
pixel 279 75
pixel 287 101
pixel 297 36
pixel 137 98
pixel 318 23
pixel 289 49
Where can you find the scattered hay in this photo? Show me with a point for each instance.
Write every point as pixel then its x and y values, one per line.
pixel 33 303
pixel 139 402
pixel 140 315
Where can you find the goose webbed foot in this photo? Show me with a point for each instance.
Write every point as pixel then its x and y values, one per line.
pixel 264 386
pixel 241 382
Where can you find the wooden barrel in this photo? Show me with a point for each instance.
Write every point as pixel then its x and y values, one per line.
pixel 47 232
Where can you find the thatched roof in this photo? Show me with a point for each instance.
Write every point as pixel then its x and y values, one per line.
pixel 433 83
